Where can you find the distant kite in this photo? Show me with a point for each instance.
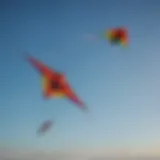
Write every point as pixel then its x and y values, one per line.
pixel 45 127
pixel 55 84
pixel 117 36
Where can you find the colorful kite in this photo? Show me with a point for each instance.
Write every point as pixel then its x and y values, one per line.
pixel 114 36
pixel 55 84
pixel 45 127
pixel 117 36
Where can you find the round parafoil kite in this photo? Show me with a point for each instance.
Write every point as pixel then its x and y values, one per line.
pixel 117 36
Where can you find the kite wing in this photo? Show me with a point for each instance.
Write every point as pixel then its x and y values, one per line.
pixel 73 97
pixel 43 69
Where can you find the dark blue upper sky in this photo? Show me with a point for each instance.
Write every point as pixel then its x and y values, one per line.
pixel 121 86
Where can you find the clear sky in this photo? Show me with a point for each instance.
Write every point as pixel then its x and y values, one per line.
pixel 121 86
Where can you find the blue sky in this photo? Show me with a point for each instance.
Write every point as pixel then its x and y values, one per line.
pixel 121 86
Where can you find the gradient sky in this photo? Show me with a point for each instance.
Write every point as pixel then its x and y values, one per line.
pixel 121 86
